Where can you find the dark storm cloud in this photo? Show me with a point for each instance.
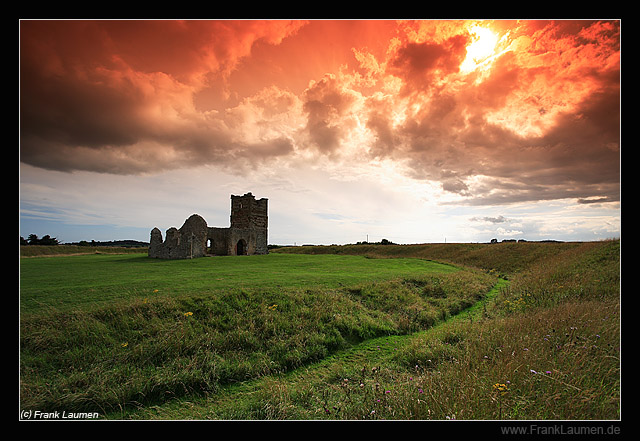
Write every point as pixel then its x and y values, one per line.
pixel 538 120
pixel 117 96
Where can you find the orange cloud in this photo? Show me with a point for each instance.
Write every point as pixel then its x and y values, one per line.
pixel 495 111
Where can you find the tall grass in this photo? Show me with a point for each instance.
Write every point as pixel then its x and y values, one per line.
pixel 554 355
pixel 560 364
pixel 546 347
pixel 590 271
pixel 144 351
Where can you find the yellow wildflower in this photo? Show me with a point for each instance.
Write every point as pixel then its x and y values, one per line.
pixel 501 388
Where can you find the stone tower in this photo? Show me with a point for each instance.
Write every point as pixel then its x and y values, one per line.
pixel 248 231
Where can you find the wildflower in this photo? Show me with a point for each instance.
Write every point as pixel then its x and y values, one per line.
pixel 420 391
pixel 387 391
pixel 501 388
pixel 155 290
pixel 533 372
pixel 187 314
pixel 125 344
pixel 547 372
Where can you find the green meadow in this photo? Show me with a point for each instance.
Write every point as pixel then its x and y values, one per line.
pixel 455 331
pixel 64 282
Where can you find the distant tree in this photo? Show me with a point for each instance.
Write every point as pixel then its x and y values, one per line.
pixel 46 240
pixel 23 241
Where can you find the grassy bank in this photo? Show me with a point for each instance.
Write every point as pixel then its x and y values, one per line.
pixel 560 364
pixel 337 336
pixel 82 352
pixel 547 347
pixel 507 258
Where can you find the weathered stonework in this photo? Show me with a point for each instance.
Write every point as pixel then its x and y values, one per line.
pixel 247 234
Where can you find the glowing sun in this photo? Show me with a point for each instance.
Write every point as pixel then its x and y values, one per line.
pixel 480 50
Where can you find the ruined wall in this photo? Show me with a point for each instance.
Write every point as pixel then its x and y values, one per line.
pixel 186 243
pixel 246 235
pixel 219 241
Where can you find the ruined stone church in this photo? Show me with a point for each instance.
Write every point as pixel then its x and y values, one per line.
pixel 247 234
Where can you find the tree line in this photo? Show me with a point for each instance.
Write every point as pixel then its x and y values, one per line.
pixel 33 239
pixel 48 240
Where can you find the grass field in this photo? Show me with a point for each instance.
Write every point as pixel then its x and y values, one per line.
pixel 359 332
pixel 89 280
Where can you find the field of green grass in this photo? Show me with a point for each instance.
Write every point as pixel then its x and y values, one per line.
pixel 362 332
pixel 64 282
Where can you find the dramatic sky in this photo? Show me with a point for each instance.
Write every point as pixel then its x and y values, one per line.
pixel 413 131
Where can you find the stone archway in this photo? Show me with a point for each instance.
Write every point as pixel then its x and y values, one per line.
pixel 241 248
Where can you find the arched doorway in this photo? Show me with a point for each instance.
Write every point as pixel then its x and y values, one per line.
pixel 241 248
